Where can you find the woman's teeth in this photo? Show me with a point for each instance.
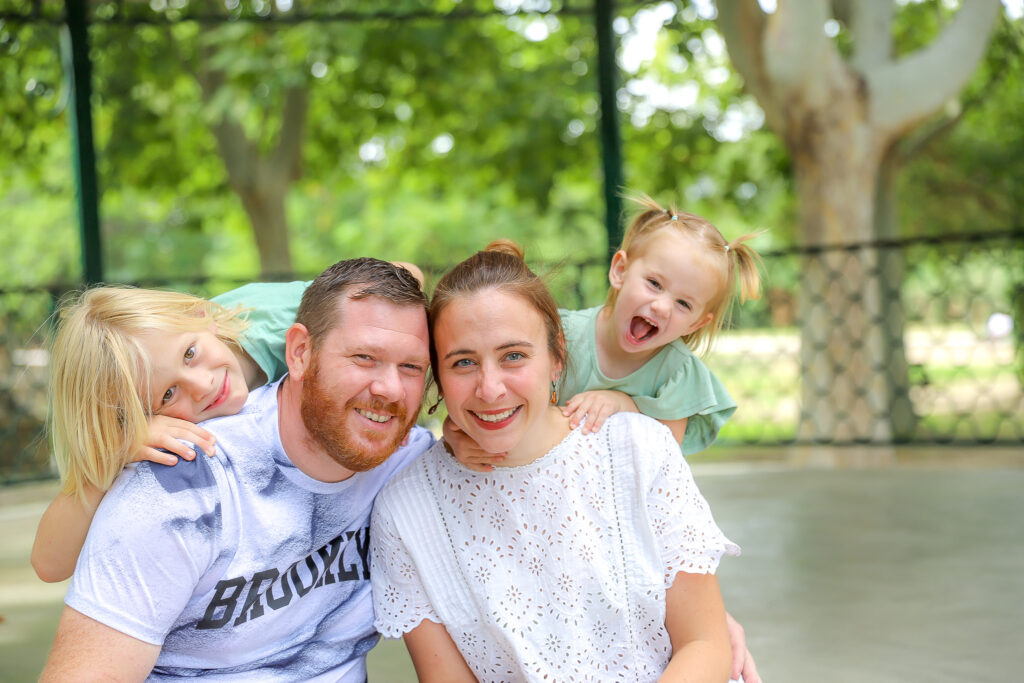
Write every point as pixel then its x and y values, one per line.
pixel 497 417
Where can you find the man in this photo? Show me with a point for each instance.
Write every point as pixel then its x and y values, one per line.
pixel 254 563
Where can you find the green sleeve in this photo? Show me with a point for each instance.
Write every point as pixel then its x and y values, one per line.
pixel 271 311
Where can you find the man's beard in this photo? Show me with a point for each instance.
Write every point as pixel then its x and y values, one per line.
pixel 326 422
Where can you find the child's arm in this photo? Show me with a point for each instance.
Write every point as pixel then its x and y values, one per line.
pixel 597 406
pixel 65 524
pixel 61 534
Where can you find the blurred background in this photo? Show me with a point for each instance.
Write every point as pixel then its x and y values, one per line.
pixel 879 146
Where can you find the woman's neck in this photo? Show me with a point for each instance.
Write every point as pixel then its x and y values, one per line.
pixel 550 432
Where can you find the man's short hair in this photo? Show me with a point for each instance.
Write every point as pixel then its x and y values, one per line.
pixel 355 279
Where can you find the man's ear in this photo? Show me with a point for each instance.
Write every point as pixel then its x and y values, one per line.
pixel 617 271
pixel 298 350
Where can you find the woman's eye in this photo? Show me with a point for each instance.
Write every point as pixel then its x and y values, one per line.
pixel 462 363
pixel 190 352
pixel 515 356
pixel 168 395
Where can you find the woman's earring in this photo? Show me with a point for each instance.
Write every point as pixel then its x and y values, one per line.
pixel 433 409
pixel 554 393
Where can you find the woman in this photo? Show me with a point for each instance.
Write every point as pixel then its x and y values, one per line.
pixel 581 556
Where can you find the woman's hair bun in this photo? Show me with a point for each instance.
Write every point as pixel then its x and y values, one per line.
pixel 506 246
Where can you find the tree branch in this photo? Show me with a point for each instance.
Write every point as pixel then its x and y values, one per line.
pixel 914 144
pixel 795 47
pixel 870 25
pixel 238 153
pixel 742 25
pixel 288 153
pixel 906 91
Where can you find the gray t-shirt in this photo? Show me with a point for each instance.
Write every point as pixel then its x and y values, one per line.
pixel 239 565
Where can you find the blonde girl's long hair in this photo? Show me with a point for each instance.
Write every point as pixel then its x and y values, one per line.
pixel 98 371
pixel 735 262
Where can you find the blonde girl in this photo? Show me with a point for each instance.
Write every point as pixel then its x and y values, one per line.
pixel 673 283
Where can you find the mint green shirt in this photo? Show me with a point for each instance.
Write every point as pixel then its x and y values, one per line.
pixel 271 311
pixel 672 385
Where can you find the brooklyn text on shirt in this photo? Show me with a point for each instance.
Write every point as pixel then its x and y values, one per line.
pixel 346 558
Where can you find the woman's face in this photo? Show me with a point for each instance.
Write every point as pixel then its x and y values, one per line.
pixel 495 368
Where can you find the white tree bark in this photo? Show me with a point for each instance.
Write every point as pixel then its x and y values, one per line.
pixel 840 120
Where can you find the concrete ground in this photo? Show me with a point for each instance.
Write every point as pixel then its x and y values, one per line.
pixel 878 565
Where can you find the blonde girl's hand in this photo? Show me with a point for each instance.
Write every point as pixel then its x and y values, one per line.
pixel 466 451
pixel 166 433
pixel 596 407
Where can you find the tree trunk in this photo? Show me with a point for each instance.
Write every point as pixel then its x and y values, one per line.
pixel 840 117
pixel 261 179
pixel 836 161
pixel 892 269
pixel 265 207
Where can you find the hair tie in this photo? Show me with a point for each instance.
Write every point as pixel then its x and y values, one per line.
pixel 727 248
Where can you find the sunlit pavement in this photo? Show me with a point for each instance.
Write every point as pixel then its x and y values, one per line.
pixel 875 565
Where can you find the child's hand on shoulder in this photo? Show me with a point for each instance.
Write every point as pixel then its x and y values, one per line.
pixel 166 433
pixel 596 407
pixel 466 451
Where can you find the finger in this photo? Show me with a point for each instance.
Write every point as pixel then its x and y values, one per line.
pixel 478 466
pixel 160 457
pixel 750 674
pixel 209 446
pixel 191 432
pixel 169 443
pixel 603 413
pixel 738 658
pixel 579 413
pixel 197 432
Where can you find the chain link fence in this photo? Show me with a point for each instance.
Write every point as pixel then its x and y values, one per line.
pixel 955 374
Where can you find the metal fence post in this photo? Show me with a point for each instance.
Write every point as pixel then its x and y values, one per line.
pixel 611 146
pixel 78 67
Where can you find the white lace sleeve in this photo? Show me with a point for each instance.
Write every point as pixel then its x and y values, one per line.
pixel 681 518
pixel 399 600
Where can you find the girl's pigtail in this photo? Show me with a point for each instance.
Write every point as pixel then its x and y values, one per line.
pixel 747 266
